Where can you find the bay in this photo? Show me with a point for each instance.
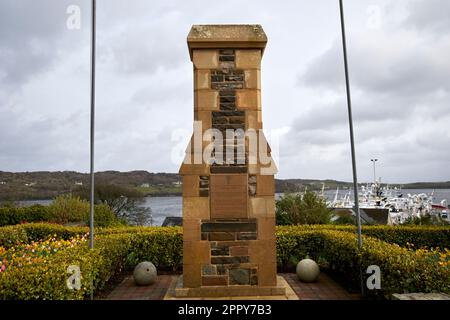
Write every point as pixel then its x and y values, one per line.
pixel 163 207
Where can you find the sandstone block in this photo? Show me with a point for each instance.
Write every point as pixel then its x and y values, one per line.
pixel 252 79
pixel 253 120
pixel 266 228
pixel 190 186
pixel 267 274
pixel 196 252
pixel 193 168
pixel 262 251
pixel 201 79
pixel 204 117
pixel 192 275
pixel 253 169
pixel 262 207
pixel 205 59
pixel 265 185
pixel 248 59
pixel 206 100
pixel 248 99
pixel 191 229
pixel 195 208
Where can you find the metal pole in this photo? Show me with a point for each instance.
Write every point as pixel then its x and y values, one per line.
pixel 91 200
pixel 350 122
pixel 352 141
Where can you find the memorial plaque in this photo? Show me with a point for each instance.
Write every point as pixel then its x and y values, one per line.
pixel 228 196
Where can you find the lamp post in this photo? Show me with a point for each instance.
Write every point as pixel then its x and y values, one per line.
pixel 374 175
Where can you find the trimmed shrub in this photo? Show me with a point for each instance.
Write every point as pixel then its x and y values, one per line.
pixel 404 236
pixel 336 249
pixel 12 235
pixel 418 236
pixel 112 253
pixel 403 270
pixel 47 280
pixel 15 215
pixel 164 248
pixel 42 231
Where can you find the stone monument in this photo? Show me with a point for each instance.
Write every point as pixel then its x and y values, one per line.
pixel 228 173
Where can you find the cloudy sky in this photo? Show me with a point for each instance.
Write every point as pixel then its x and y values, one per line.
pixel 399 68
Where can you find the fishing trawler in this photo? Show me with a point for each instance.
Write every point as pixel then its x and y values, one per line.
pixel 384 205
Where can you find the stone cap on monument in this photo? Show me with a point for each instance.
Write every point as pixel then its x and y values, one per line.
pixel 214 36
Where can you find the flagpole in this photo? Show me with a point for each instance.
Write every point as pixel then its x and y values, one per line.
pixel 352 140
pixel 91 199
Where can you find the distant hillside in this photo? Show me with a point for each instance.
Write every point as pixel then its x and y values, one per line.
pixel 301 184
pixel 47 185
pixel 425 185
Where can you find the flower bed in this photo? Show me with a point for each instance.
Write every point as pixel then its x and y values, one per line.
pixel 42 274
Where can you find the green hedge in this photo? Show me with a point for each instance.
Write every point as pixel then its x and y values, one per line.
pixel 12 235
pixel 403 270
pixel 26 233
pixel 15 215
pixel 104 216
pixel 113 252
pixel 419 236
pixel 47 280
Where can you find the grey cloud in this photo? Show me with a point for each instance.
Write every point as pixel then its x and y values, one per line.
pixel 429 16
pixel 381 68
pixel 152 96
pixel 24 140
pixel 30 36
pixel 140 50
pixel 322 116
pixel 401 96
pixel 400 83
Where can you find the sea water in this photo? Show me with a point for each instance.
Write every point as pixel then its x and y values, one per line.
pixel 162 207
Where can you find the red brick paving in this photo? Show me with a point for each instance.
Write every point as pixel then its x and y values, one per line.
pixel 324 289
pixel 128 290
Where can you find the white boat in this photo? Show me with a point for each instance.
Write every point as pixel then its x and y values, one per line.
pixel 384 200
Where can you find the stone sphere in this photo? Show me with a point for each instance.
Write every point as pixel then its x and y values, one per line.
pixel 144 274
pixel 307 270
